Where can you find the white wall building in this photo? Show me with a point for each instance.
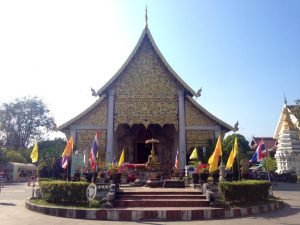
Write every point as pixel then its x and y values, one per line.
pixel 288 147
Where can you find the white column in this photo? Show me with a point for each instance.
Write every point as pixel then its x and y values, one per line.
pixel 110 127
pixel 182 144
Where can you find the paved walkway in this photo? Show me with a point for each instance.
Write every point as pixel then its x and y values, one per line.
pixel 13 211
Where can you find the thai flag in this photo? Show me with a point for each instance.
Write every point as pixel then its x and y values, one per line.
pixel 64 162
pixel 177 160
pixel 260 152
pixel 93 152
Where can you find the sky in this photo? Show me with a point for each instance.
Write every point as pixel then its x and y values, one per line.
pixel 244 54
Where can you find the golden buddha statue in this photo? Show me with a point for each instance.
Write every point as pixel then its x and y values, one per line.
pixel 152 159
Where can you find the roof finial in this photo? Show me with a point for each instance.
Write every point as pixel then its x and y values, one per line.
pixel 285 102
pixel 146 17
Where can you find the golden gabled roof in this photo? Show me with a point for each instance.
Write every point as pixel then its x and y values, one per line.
pixel 146 33
pixel 189 90
pixel 202 109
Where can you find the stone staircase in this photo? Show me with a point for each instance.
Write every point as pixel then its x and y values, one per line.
pixel 160 204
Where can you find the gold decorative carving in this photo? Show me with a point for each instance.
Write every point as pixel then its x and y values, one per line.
pixel 195 138
pixel 84 140
pixel 97 116
pixel 146 92
pixel 193 116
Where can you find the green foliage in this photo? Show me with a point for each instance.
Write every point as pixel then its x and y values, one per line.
pixel 26 154
pixel 204 156
pixel 244 191
pixel 63 191
pixel 3 157
pixel 13 156
pixel 43 170
pixel 24 121
pixel 269 164
pixel 51 150
pixel 243 150
pixel 95 204
pixel 44 179
pixel 227 145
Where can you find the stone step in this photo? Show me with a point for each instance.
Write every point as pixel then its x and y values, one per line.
pixel 160 196
pixel 161 203
pixel 193 193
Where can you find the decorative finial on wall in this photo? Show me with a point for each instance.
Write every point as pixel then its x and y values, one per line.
pixel 146 17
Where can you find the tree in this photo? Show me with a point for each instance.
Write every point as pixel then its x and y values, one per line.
pixel 242 156
pixel 24 121
pixel 227 144
pixel 13 156
pixel 50 152
pixel 3 158
pixel 269 164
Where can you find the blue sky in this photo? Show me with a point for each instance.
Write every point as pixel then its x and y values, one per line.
pixel 244 54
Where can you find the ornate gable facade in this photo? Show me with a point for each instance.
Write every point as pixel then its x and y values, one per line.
pixel 145 91
pixel 145 99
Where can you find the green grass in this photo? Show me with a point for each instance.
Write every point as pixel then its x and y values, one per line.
pixel 41 202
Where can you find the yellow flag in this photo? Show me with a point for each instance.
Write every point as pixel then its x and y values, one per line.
pixel 68 148
pixel 194 154
pixel 232 155
pixel 122 158
pixel 214 158
pixel 35 153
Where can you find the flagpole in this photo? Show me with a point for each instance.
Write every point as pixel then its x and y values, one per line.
pixel 67 170
pixel 237 158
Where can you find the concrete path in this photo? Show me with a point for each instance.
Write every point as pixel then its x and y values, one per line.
pixel 13 211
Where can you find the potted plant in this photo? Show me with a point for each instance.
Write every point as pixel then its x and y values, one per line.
pixel 202 170
pixel 114 174
pixel 101 170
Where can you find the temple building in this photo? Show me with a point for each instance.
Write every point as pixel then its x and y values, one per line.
pixel 288 148
pixel 145 99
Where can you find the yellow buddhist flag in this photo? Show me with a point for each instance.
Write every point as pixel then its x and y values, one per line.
pixel 68 148
pixel 194 154
pixel 35 153
pixel 214 158
pixel 122 158
pixel 232 155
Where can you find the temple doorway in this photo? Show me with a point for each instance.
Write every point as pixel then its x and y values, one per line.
pixel 143 150
pixel 132 139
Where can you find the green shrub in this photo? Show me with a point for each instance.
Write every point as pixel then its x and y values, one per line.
pixel 63 191
pixel 244 191
pixel 41 179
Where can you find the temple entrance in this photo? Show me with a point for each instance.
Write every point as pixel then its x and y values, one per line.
pixel 132 139
pixel 143 150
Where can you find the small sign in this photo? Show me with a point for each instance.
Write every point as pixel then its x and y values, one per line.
pixel 91 192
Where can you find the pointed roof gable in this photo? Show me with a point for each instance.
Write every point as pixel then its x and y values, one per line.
pixel 146 33
pixel 203 110
pixel 286 111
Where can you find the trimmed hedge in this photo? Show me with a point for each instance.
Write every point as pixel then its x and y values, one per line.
pixel 44 179
pixel 247 191
pixel 63 191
